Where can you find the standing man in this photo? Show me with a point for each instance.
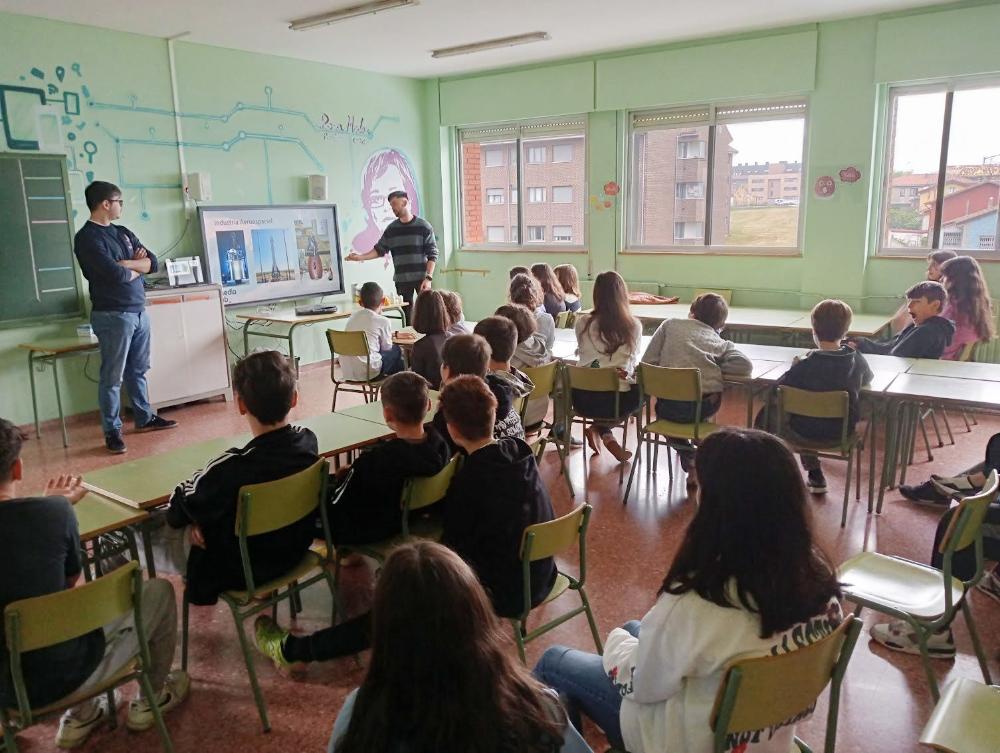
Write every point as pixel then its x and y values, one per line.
pixel 410 240
pixel 114 260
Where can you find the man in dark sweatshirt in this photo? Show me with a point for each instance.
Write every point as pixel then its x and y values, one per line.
pixel 114 260
pixel 206 503
pixel 929 334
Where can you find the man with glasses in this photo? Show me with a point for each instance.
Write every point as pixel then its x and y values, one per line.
pixel 114 260
pixel 410 240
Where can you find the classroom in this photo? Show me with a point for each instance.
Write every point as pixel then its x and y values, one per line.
pixel 551 376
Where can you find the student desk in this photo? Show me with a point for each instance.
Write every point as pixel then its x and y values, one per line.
pixel 96 516
pixel 564 348
pixel 747 318
pixel 258 323
pixel 50 352
pixel 373 411
pixel 986 372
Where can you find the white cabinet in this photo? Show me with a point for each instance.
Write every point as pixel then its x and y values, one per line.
pixel 188 356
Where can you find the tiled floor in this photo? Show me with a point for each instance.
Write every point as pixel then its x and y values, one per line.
pixel 885 701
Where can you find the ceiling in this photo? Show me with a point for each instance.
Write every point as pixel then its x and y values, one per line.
pixel 399 41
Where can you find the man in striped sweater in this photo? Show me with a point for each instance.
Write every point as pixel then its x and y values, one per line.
pixel 410 240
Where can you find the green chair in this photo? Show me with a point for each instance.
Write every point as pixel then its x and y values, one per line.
pixel 548 539
pixel 665 383
pixel 965 720
pixel 725 293
pixel 48 620
pixel 264 508
pixel 926 598
pixel 352 344
pixel 767 691
pixel 828 405
pixel 597 380
pixel 546 379
pixel 565 319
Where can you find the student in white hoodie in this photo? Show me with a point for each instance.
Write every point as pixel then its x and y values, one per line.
pixel 748 579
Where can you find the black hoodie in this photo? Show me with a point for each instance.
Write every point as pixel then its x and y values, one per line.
pixel 495 495
pixel 927 340
pixel 827 371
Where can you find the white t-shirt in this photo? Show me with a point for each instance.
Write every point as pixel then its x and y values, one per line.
pixel 669 675
pixel 379 334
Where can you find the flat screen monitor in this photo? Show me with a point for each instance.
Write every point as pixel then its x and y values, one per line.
pixel 273 252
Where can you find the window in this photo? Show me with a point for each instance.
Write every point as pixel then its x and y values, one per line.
pixel 562 233
pixel 562 152
pixel 562 194
pixel 722 177
pixel 507 181
pixel 922 207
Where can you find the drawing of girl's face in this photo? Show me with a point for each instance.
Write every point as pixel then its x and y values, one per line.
pixel 378 201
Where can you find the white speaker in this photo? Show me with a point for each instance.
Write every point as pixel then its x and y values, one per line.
pixel 317 188
pixel 200 186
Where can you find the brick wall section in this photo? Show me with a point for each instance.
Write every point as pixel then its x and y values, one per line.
pixel 472 194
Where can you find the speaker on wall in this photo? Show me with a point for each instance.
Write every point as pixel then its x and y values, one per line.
pixel 317 188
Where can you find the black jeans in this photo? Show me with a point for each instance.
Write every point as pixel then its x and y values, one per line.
pixel 600 406
pixel 409 292
pixel 344 639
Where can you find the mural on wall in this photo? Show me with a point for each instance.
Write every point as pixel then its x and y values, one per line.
pixel 387 170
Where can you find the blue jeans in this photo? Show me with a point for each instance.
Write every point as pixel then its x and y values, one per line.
pixel 392 361
pixel 583 685
pixel 124 344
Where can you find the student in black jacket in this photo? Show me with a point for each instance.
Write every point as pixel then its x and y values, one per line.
pixel 205 504
pixel 831 368
pixel 929 334
pixel 368 509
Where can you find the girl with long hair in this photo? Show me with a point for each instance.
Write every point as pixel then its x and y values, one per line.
pixel 570 282
pixel 525 290
pixel 969 304
pixel 443 674
pixel 748 579
pixel 553 297
pixel 430 319
pixel 609 336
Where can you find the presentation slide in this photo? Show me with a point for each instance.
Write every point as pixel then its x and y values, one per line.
pixel 267 253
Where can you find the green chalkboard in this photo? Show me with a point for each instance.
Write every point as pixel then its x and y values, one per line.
pixel 38 278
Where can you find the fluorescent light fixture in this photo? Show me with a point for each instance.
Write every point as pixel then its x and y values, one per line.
pixel 364 9
pixel 490 44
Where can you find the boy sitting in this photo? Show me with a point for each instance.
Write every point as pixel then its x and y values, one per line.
pixel 41 544
pixel 501 334
pixel 205 504
pixel 494 496
pixel 368 510
pixel 384 358
pixel 831 368
pixel 928 335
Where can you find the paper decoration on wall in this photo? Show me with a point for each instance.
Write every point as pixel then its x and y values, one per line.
pixel 850 174
pixel 606 200
pixel 825 186
pixel 611 188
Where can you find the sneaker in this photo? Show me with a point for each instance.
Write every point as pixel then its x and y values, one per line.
pixel 926 494
pixel 157 424
pixel 899 636
pixel 74 729
pixel 557 432
pixel 270 638
pixel 816 481
pixel 990 585
pixel 175 690
pixel 114 442
pixel 954 485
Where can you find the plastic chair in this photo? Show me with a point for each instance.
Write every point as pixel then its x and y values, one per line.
pixel 665 383
pixel 767 691
pixel 48 620
pixel 352 344
pixel 926 598
pixel 597 380
pixel 965 720
pixel 264 508
pixel 726 293
pixel 546 379
pixel 829 405
pixel 548 539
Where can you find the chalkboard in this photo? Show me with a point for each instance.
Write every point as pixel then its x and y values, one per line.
pixel 38 278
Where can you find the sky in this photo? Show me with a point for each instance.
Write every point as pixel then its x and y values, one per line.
pixel 767 141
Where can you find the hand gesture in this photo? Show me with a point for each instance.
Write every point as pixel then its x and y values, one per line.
pixel 197 536
pixel 141 253
pixel 425 285
pixel 70 487
pixel 353 256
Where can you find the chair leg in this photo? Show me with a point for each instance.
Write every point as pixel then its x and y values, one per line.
pixel 586 461
pixel 934 425
pixel 333 408
pixel 923 432
pixel 976 643
pixel 631 473
pixel 519 637
pixel 857 473
pixel 926 661
pixel 185 609
pixel 947 426
pixel 590 619
pixel 8 738
pixel 847 489
pixel 112 717
pixel 161 727
pixel 621 466
pixel 258 696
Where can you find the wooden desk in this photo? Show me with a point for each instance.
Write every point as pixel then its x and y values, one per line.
pixel 741 317
pixel 986 372
pixel 50 352
pixel 970 393
pixel 337 432
pixel 97 515
pixel 289 319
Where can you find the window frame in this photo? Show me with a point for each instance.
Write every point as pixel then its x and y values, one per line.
pixel 887 135
pixel 710 119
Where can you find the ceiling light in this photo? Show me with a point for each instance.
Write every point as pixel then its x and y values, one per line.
pixel 490 44
pixel 364 9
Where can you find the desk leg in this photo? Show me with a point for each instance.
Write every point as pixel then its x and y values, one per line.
pixel 147 545
pixel 34 396
pixel 291 349
pixel 62 418
pixel 892 417
pixel 246 338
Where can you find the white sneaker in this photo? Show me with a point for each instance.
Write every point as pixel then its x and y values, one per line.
pixel 77 723
pixel 899 636
pixel 175 690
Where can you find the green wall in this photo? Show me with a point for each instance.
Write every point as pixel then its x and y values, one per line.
pixel 256 124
